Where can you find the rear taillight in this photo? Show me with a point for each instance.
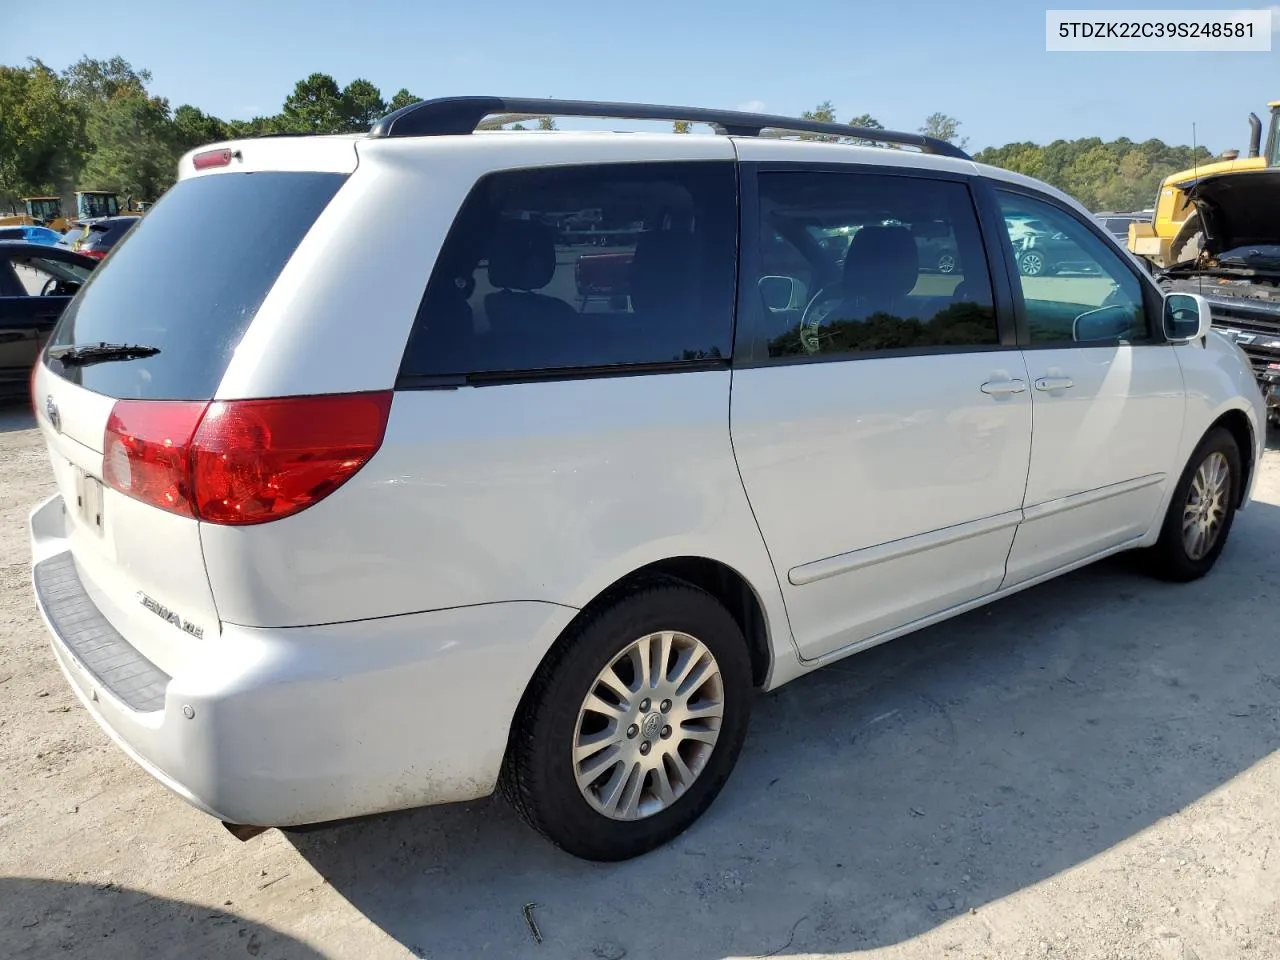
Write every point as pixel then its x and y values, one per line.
pixel 91 252
pixel 241 461
pixel 146 451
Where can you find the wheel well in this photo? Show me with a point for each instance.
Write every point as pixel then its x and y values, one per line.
pixel 1237 424
pixel 722 582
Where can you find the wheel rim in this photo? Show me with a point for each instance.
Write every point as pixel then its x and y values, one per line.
pixel 648 725
pixel 1206 506
pixel 946 263
pixel 1032 264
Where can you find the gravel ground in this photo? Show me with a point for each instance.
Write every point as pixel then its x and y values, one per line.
pixel 1086 770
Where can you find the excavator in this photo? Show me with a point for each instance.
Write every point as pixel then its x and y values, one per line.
pixel 1175 233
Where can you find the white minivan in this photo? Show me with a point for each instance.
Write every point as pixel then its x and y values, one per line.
pixel 628 427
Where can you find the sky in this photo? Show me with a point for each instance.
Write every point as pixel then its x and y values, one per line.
pixel 982 61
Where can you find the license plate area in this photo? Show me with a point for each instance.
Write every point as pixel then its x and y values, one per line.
pixel 89 502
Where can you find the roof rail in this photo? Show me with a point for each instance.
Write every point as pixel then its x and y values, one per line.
pixel 462 115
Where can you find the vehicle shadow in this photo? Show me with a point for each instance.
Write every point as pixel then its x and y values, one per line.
pixel 879 797
pixel 16 415
pixel 47 918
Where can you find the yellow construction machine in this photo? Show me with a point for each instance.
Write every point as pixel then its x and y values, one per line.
pixel 1174 233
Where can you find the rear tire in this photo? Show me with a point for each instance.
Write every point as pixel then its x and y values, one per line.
pixel 1201 511
pixel 648 672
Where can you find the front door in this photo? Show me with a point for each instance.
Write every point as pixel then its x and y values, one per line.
pixel 1107 394
pixel 880 416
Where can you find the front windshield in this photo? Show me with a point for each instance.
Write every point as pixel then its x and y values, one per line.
pixel 45 209
pixel 99 205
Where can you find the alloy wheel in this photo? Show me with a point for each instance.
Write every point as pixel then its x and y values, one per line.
pixel 648 725
pixel 1206 507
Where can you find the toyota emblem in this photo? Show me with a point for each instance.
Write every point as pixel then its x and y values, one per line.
pixel 51 412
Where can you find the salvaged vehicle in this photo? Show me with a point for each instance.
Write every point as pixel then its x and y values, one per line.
pixel 345 525
pixel 1174 232
pixel 1238 269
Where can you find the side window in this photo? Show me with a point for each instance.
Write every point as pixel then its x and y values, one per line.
pixel 854 263
pixel 593 266
pixel 1076 288
pixel 45 277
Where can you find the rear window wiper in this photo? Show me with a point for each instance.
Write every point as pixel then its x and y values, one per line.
pixel 99 352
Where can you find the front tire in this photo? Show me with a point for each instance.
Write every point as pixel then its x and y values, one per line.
pixel 1201 512
pixel 632 725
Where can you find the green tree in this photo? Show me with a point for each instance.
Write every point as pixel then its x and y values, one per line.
pixel 362 105
pixel 134 151
pixel 1116 175
pixel 869 122
pixel 681 126
pixel 95 82
pixel 403 98
pixel 546 123
pixel 315 106
pixel 943 127
pixel 193 128
pixel 824 112
pixel 41 139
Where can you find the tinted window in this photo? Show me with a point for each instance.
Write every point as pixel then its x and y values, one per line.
pixel 583 267
pixel 190 280
pixel 16 233
pixel 46 277
pixel 854 262
pixel 1075 286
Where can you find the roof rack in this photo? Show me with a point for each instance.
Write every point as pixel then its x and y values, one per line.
pixel 462 115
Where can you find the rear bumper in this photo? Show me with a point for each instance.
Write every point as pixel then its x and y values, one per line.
pixel 306 724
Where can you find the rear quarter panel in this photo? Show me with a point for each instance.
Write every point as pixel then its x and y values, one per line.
pixel 537 491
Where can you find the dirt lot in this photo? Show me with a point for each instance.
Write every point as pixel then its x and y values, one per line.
pixel 1087 770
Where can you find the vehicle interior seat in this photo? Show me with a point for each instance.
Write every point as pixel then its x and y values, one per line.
pixel 522 261
pixel 664 287
pixel 881 268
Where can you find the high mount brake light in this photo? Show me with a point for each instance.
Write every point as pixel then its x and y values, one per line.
pixel 213 158
pixel 239 462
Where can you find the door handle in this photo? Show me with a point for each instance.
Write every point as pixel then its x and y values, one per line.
pixel 1054 383
pixel 1003 388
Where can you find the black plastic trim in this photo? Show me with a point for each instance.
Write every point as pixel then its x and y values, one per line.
pixel 97 646
pixel 496 378
pixel 454 116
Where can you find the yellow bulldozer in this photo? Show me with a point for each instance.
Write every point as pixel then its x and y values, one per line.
pixel 1174 233
pixel 39 212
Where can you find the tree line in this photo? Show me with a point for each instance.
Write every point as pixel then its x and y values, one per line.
pixel 95 125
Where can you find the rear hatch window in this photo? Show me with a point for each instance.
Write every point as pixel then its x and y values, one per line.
pixel 189 282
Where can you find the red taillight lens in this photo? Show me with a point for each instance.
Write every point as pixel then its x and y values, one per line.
pixel 242 461
pixel 146 448
pixel 212 158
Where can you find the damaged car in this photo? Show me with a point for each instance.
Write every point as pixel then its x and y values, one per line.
pixel 1238 268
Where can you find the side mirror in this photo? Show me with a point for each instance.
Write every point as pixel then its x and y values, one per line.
pixel 1186 317
pixel 778 293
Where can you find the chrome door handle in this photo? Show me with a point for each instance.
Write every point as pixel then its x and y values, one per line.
pixel 1054 383
pixel 1003 388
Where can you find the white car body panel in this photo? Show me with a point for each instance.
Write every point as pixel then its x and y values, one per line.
pixel 886 489
pixel 535 492
pixel 337 645
pixel 1104 450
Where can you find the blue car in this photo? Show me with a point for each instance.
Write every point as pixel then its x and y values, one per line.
pixel 42 235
